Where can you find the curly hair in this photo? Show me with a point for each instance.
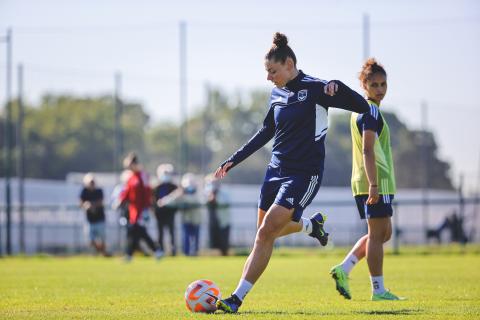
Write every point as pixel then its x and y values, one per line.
pixel 369 68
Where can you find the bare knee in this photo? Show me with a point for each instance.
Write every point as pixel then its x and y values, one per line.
pixel 388 233
pixel 376 237
pixel 388 236
pixel 265 234
pixel 379 230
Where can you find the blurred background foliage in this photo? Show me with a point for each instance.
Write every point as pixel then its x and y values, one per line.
pixel 66 133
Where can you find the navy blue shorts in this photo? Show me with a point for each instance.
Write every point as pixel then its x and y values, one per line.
pixel 383 208
pixel 289 189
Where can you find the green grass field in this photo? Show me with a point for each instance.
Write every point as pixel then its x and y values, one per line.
pixel 296 285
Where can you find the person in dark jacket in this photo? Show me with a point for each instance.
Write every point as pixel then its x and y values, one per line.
pixel 91 200
pixel 165 213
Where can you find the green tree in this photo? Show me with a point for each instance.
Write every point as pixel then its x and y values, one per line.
pixel 66 134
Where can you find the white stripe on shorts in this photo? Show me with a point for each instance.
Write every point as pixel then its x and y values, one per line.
pixel 386 195
pixel 311 187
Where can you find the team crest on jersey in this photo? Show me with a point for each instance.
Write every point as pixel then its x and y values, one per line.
pixel 302 94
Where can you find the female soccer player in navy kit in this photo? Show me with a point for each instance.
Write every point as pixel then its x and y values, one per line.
pixel 373 184
pixel 297 120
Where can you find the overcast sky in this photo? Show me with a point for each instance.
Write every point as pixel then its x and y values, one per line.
pixel 430 49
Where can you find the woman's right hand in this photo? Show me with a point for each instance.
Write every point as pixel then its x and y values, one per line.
pixel 221 171
pixel 330 88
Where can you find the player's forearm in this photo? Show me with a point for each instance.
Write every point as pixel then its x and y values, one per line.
pixel 172 199
pixel 256 142
pixel 370 166
pixel 349 99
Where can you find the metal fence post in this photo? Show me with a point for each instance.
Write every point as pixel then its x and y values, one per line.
pixel 39 238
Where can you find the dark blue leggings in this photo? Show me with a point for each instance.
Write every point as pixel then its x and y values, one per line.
pixel 190 239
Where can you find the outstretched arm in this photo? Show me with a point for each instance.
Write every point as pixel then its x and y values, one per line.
pixel 256 142
pixel 338 95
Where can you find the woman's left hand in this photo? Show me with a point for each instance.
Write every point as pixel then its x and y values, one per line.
pixel 330 88
pixel 373 195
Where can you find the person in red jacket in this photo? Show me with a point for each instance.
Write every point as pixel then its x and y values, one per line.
pixel 138 195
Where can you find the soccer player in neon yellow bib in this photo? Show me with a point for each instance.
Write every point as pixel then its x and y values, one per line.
pixel 373 184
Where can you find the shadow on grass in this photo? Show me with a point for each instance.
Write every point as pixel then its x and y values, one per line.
pixel 399 312
pixel 286 313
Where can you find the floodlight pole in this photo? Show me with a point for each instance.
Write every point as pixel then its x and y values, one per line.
pixel 8 141
pixel 426 171
pixel 366 55
pixel 118 136
pixel 21 162
pixel 183 99
pixel 366 36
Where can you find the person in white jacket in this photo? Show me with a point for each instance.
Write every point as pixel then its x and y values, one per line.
pixel 218 207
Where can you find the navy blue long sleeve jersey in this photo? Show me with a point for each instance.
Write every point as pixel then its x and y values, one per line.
pixel 297 120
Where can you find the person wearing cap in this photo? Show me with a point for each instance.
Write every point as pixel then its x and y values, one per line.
pixel 91 200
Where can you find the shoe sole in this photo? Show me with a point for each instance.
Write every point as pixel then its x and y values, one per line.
pixel 324 238
pixel 399 299
pixel 339 288
pixel 224 307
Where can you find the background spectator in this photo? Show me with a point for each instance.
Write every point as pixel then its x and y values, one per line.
pixel 165 213
pixel 91 200
pixel 218 204
pixel 188 200
pixel 454 223
pixel 137 194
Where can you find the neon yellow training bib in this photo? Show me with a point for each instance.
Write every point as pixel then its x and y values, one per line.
pixel 383 157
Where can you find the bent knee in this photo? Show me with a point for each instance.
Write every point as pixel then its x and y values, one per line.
pixel 388 236
pixel 265 234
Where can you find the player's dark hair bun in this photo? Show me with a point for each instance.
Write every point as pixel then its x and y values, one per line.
pixel 280 50
pixel 280 40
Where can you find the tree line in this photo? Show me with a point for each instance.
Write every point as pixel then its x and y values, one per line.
pixel 66 133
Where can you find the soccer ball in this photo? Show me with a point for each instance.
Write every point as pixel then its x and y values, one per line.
pixel 202 296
